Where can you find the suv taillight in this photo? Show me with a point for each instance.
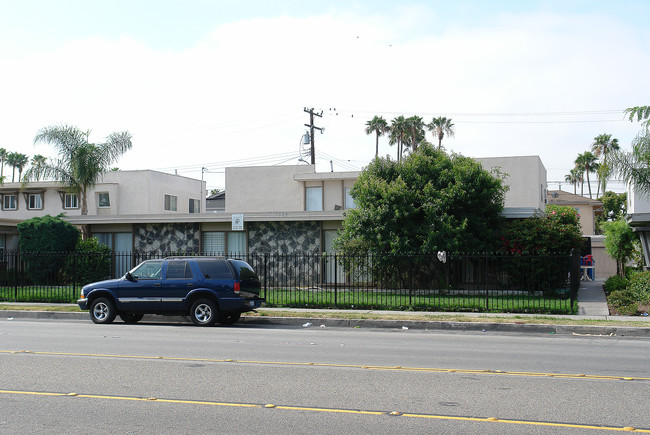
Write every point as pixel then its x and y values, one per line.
pixel 237 288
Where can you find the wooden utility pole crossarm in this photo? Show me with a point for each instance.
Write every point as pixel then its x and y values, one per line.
pixel 312 127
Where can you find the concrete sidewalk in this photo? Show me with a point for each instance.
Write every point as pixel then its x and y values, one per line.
pixel 592 300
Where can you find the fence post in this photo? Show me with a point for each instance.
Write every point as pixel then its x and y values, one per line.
pixel 485 283
pixel 336 279
pixel 266 276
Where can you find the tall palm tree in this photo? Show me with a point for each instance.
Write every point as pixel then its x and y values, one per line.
pixel 441 126
pixel 12 159
pixel 602 147
pixel 20 163
pixel 38 160
pixel 398 134
pixel 574 176
pixel 379 126
pixel 414 131
pixel 3 156
pixel 80 163
pixel 586 162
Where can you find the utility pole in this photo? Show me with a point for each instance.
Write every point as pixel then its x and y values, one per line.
pixel 312 127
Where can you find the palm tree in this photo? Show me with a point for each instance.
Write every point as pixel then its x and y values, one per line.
pixel 414 132
pixel 11 159
pixel 641 112
pixel 441 126
pixel 38 160
pixel 603 146
pixel 379 126
pixel 574 177
pixel 20 163
pixel 3 156
pixel 80 163
pixel 397 134
pixel 634 167
pixel 586 162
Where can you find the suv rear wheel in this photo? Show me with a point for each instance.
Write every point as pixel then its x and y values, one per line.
pixel 130 317
pixel 102 310
pixel 228 318
pixel 204 312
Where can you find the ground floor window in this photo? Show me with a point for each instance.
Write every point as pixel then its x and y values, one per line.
pixel 232 243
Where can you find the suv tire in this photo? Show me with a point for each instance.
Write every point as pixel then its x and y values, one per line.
pixel 131 318
pixel 204 312
pixel 228 318
pixel 102 310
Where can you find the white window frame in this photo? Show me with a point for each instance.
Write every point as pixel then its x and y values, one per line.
pixel 73 202
pixel 99 200
pixel 35 201
pixel 5 197
pixel 170 202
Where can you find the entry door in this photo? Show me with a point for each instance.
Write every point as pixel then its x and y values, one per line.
pixel 123 246
pixel 329 236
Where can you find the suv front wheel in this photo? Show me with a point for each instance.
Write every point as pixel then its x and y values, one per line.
pixel 102 310
pixel 204 312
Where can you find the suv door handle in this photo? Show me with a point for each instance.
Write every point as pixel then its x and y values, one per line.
pixel 157 285
pixel 189 284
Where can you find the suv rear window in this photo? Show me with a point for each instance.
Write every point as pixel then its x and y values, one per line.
pixel 215 269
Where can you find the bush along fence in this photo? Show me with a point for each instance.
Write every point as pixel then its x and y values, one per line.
pixel 444 282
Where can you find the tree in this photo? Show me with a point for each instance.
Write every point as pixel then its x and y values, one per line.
pixel 80 163
pixel 602 147
pixel 614 207
pixel 429 202
pixel 641 113
pixel 574 176
pixel 634 167
pixel 379 126
pixel 619 242
pixel 3 156
pixel 586 162
pixel 398 131
pixel 38 160
pixel 44 235
pixel 414 132
pixel 441 126
pixel 17 161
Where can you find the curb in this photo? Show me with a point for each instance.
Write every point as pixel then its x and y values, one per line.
pixel 523 328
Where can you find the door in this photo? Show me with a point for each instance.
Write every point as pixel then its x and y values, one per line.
pixel 142 292
pixel 178 282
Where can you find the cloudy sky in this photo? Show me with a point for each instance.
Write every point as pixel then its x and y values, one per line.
pixel 209 84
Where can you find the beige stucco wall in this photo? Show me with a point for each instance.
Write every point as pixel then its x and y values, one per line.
pixel 526 178
pixel 605 265
pixel 265 189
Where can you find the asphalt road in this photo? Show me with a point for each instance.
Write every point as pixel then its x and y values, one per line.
pixel 77 377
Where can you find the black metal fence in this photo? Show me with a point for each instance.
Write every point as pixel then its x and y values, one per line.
pixel 453 282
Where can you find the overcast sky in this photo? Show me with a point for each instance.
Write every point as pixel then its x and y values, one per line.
pixel 205 83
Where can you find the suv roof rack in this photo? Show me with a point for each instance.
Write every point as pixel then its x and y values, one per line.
pixel 174 257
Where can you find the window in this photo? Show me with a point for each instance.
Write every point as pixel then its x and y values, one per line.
pixel 103 200
pixel 9 201
pixel 71 201
pixel 148 270
pixel 178 270
pixel 195 206
pixel 170 202
pixel 220 242
pixel 349 201
pixel 214 269
pixel 314 199
pixel 35 201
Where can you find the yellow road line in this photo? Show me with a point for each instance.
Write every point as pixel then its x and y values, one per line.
pixel 357 366
pixel 333 410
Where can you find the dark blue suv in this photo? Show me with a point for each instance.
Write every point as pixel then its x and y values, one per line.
pixel 208 289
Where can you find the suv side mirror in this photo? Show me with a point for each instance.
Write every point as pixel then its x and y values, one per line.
pixel 130 277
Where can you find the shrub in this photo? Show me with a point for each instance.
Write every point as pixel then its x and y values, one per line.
pixel 90 262
pixel 614 283
pixel 624 302
pixel 39 238
pixel 640 287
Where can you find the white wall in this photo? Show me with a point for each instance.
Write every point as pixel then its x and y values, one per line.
pixel 526 179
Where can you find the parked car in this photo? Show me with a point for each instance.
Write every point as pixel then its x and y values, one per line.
pixel 208 289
